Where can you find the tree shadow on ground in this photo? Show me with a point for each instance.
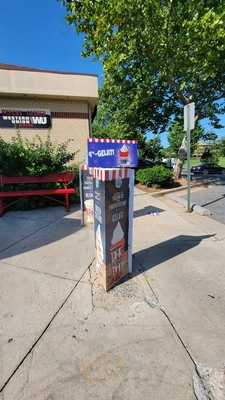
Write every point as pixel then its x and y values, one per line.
pixel 153 256
pixel 214 201
pixel 149 210
pixel 42 236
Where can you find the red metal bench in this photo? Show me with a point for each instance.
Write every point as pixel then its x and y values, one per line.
pixel 65 178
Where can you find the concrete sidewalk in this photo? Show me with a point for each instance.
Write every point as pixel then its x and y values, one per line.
pixel 64 338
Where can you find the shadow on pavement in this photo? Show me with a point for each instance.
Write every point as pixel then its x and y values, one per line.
pixel 212 180
pixel 214 201
pixel 45 235
pixel 219 182
pixel 147 210
pixel 153 256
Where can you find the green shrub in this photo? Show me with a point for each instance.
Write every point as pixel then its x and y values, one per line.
pixel 21 157
pixel 38 157
pixel 75 198
pixel 158 175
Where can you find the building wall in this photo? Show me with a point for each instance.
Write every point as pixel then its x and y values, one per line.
pixel 46 83
pixel 69 121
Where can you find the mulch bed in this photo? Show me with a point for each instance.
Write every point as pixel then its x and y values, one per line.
pixel 146 189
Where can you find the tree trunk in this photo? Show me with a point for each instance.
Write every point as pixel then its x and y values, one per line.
pixel 182 155
pixel 178 169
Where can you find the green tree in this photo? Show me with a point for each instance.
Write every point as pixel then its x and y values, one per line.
pixel 152 149
pixel 221 147
pixel 210 155
pixel 176 135
pixel 166 152
pixel 158 55
pixel 176 141
pixel 210 137
pixel 104 125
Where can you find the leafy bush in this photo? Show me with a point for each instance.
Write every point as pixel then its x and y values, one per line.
pixel 22 157
pixel 38 157
pixel 75 198
pixel 157 175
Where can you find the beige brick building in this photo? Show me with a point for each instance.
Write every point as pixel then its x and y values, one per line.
pixel 40 102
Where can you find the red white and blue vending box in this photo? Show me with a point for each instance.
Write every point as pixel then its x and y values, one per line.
pixel 113 215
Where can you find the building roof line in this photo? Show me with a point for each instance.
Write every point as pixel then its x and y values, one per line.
pixel 13 67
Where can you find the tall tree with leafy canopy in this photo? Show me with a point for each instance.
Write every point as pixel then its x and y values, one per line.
pixel 152 149
pixel 176 134
pixel 222 147
pixel 158 55
pixel 105 126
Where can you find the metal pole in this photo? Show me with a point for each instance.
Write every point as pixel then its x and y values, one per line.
pixel 81 195
pixel 189 163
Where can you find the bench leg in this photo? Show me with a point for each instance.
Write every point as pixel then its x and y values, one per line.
pixel 2 207
pixel 67 203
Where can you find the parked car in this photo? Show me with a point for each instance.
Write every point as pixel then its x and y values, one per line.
pixel 204 169
pixel 142 163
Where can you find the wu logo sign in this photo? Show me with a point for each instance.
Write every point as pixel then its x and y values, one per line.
pixel 39 120
pixel 25 119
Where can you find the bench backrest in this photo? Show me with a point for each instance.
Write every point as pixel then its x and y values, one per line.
pixel 62 177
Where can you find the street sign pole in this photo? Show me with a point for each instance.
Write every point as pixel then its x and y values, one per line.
pixel 189 164
pixel 189 124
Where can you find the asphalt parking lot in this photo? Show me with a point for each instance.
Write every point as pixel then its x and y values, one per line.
pixel 213 198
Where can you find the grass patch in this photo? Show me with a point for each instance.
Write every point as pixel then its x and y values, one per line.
pixel 222 162
pixel 196 161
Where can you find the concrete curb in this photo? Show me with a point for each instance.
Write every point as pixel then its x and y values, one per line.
pixel 180 188
pixel 203 182
pixel 195 207
pixel 168 191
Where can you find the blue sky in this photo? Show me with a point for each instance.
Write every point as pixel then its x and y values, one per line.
pixel 34 33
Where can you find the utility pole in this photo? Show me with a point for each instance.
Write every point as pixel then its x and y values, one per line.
pixel 189 124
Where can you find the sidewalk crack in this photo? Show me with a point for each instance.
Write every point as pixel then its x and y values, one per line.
pixel 92 288
pixel 155 303
pixel 45 329
pixel 27 380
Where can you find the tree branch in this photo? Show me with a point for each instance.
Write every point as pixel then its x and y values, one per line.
pixel 178 93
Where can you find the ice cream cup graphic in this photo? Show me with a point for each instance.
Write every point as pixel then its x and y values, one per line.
pixel 124 155
pixel 89 205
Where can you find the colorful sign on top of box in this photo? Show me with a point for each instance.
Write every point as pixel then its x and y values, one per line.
pixel 112 153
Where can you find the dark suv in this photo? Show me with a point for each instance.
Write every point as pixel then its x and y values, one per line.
pixel 142 163
pixel 205 169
